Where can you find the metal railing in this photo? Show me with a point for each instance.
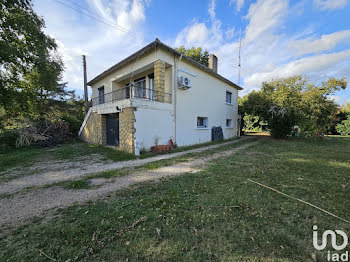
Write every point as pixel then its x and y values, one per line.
pixel 132 92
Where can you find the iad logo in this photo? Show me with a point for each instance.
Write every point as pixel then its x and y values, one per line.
pixel 333 235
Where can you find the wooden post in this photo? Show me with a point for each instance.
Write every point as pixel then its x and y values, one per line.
pixel 85 86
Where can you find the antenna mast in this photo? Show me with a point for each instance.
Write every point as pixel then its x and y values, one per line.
pixel 239 58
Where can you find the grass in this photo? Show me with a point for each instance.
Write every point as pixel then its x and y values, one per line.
pixel 79 148
pixel 164 162
pixel 73 151
pixel 79 184
pixel 84 183
pixel 215 214
pixel 149 166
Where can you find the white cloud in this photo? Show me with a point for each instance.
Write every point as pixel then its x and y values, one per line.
pixel 265 16
pixel 229 33
pixel 337 99
pixel 239 4
pixel 125 13
pixel 72 58
pixel 199 34
pixel 103 45
pixel 326 42
pixel 302 66
pixel 195 34
pixel 330 4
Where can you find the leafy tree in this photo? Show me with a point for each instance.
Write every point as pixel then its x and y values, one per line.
pixel 344 127
pixel 30 68
pixel 250 121
pixel 346 108
pixel 255 103
pixel 304 103
pixel 195 53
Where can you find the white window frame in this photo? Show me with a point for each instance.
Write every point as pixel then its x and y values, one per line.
pixel 231 102
pixel 231 121
pixel 205 122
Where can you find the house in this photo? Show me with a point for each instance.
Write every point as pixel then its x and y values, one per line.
pixel 158 94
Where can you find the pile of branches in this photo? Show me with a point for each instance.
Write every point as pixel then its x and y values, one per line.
pixel 44 134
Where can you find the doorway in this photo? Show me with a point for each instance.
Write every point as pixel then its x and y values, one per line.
pixel 112 129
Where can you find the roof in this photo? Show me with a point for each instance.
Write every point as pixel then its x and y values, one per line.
pixel 151 47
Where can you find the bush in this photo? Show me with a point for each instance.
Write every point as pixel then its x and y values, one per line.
pixel 73 122
pixel 280 122
pixel 344 127
pixel 8 138
pixel 250 122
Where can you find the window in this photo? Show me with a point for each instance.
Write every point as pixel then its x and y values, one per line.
pixel 228 97
pixel 140 87
pixel 228 122
pixel 202 122
pixel 127 91
pixel 151 86
pixel 101 95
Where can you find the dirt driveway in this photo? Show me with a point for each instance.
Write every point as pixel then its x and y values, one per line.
pixel 50 173
pixel 22 206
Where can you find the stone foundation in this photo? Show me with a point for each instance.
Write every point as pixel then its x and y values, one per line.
pixel 94 131
pixel 127 130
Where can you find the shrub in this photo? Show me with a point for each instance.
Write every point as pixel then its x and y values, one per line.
pixel 8 138
pixel 280 122
pixel 250 122
pixel 73 122
pixel 344 127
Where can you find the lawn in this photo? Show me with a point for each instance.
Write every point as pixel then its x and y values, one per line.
pixel 75 151
pixel 216 214
pixel 72 151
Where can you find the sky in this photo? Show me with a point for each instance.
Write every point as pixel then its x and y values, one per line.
pixel 279 38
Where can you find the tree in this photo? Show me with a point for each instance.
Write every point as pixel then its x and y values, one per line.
pixel 30 68
pixel 250 121
pixel 195 53
pixel 305 104
pixel 346 108
pixel 344 127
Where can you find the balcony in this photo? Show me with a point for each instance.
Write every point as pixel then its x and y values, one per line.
pixel 132 91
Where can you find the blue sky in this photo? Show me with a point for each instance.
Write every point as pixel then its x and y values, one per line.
pixel 279 37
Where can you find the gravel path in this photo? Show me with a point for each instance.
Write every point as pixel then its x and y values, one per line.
pixel 16 210
pixel 75 170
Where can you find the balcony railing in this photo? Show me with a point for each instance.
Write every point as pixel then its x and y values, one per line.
pixel 132 92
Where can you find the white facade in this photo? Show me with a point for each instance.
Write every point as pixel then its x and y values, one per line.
pixel 206 98
pixel 157 122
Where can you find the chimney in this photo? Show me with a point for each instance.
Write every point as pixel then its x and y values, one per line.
pixel 213 63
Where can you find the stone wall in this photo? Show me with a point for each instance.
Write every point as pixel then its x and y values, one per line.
pixel 159 80
pixel 95 129
pixel 127 130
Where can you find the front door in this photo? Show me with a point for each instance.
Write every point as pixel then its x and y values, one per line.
pixel 112 129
